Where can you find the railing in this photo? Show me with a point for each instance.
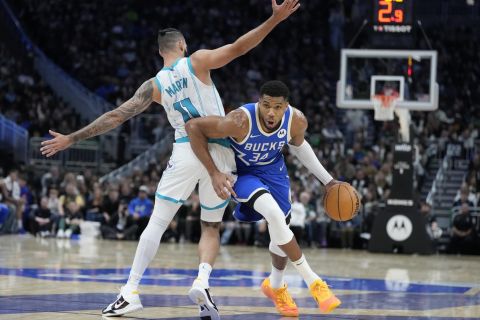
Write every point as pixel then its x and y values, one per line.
pixel 154 153
pixel 80 156
pixel 438 179
pixel 15 138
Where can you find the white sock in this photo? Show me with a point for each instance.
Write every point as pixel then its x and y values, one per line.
pixel 276 278
pixel 20 224
pixel 305 271
pixel 204 270
pixel 163 213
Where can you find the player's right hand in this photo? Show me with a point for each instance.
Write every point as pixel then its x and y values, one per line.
pixel 223 185
pixel 284 10
pixel 58 143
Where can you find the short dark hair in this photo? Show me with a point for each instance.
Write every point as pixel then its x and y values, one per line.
pixel 167 38
pixel 275 88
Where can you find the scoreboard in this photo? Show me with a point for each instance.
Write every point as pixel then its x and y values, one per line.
pixel 393 16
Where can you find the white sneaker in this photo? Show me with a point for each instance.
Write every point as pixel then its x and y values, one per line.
pixel 126 302
pixel 60 234
pixel 201 296
pixel 68 233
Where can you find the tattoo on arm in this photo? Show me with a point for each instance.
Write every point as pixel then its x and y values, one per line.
pixel 140 101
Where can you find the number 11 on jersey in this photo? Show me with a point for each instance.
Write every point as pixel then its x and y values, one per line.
pixel 187 109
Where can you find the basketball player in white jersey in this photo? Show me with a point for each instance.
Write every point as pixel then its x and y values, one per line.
pixel 186 91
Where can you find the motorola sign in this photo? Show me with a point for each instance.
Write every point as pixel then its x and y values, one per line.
pixel 399 227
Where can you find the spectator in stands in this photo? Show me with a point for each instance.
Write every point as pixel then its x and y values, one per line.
pixel 369 210
pixel 53 200
pixel 140 209
pixel 298 215
pixel 95 211
pixel 111 202
pixel 119 225
pixel 41 221
pixel 463 239
pixel 125 191
pixel 262 238
pixel 320 229
pixel 28 200
pixel 11 194
pixel 50 178
pixel 69 223
pixel 433 230
pixel 71 195
pixel 344 169
pixel 8 219
pixel 348 231
pixel 464 196
pixel 382 187
pixel 360 182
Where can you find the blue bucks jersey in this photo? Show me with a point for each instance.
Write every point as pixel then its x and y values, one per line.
pixel 261 150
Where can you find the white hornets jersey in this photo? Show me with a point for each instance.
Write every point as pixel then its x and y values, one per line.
pixel 185 97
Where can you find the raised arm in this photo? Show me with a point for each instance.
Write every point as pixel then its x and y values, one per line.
pixel 303 151
pixel 205 60
pixel 140 101
pixel 235 125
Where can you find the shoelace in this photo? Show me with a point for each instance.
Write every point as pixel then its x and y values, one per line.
pixel 284 299
pixel 323 287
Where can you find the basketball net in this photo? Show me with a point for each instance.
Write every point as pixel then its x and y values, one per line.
pixel 384 106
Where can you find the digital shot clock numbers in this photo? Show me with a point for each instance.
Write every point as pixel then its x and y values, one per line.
pixel 392 16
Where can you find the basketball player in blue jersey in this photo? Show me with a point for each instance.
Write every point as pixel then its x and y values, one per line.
pixel 258 132
pixel 184 88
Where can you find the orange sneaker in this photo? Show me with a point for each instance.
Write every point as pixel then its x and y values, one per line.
pixel 281 298
pixel 326 300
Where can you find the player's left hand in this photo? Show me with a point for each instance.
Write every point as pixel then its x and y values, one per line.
pixel 284 10
pixel 58 143
pixel 223 185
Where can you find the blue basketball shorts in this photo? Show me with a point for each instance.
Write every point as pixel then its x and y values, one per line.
pixel 247 185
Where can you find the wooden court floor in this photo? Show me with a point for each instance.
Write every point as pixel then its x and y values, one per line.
pixel 75 279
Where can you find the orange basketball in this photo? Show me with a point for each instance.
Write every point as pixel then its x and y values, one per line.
pixel 341 202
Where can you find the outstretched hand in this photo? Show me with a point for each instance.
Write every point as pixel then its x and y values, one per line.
pixel 284 10
pixel 222 184
pixel 58 143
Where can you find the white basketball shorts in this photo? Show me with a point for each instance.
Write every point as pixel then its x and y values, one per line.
pixel 184 171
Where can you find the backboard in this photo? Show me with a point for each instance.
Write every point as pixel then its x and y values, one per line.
pixel 412 74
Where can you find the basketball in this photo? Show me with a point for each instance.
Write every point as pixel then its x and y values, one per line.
pixel 341 202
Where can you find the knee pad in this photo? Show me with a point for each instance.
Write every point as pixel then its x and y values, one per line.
pixel 279 231
pixel 162 215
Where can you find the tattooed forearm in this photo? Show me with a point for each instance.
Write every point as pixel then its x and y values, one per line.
pixel 140 101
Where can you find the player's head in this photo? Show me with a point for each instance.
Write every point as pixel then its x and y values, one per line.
pixel 273 103
pixel 171 41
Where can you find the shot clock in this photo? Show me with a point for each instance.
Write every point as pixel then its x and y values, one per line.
pixel 392 16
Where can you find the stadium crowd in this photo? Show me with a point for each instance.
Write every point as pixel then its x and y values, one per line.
pixel 113 54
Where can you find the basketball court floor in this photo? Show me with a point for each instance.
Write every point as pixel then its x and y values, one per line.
pixel 75 279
